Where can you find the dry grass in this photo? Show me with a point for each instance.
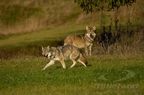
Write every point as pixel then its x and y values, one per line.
pixel 55 13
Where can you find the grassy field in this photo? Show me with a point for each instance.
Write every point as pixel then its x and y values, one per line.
pixel 103 76
pixel 26 25
pixel 57 33
pixel 30 43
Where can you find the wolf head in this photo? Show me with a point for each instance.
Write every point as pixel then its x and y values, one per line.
pixel 45 51
pixel 48 52
pixel 90 32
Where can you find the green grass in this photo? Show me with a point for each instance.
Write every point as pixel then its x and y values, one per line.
pixel 23 76
pixel 57 33
pixel 30 43
pixel 21 63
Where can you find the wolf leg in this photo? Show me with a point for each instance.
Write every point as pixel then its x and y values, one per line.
pixel 63 64
pixel 90 50
pixel 74 62
pixel 82 63
pixel 49 64
pixel 86 51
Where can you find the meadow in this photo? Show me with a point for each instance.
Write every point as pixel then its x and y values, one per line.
pixel 103 76
pixel 21 64
pixel 27 25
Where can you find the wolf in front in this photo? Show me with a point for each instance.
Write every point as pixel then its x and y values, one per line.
pixel 63 53
pixel 82 41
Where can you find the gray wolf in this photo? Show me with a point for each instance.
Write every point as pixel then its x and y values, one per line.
pixel 63 53
pixel 82 41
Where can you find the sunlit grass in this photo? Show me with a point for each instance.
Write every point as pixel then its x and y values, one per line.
pixel 51 34
pixel 24 76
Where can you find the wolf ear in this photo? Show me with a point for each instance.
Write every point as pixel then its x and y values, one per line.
pixel 94 28
pixel 48 47
pixel 42 47
pixel 87 28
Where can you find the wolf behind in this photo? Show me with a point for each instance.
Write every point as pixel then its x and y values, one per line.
pixel 63 53
pixel 82 41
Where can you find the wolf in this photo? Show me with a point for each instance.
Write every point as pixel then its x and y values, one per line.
pixel 63 53
pixel 82 41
